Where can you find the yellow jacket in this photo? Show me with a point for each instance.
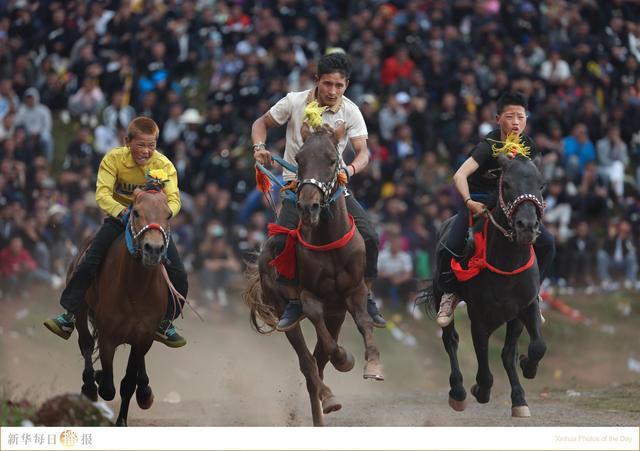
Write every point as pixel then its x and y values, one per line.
pixel 119 175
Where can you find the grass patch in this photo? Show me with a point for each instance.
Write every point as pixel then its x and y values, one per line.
pixel 623 398
pixel 14 411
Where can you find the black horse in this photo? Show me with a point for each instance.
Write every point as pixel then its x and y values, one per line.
pixel 506 288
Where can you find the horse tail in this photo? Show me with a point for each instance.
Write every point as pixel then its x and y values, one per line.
pixel 427 297
pixel 263 316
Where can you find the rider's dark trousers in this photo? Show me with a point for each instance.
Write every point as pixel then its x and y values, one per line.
pixel 73 295
pixel 289 218
pixel 544 247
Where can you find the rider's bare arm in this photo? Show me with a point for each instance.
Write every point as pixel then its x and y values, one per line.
pixel 462 185
pixel 259 137
pixel 361 150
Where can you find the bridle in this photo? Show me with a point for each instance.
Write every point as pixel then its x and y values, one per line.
pixel 136 236
pixel 326 188
pixel 509 209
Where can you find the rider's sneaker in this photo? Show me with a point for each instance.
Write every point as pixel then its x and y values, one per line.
pixel 167 334
pixel 374 313
pixel 62 325
pixel 448 304
pixel 291 317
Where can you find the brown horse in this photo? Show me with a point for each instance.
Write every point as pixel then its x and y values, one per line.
pixel 126 303
pixel 330 282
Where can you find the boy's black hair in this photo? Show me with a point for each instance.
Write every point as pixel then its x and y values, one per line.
pixel 334 62
pixel 511 98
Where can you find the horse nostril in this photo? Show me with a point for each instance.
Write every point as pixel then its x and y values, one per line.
pixel 519 225
pixel 161 249
pixel 315 206
pixel 147 247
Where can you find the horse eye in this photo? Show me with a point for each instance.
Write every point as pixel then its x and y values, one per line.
pixel 136 214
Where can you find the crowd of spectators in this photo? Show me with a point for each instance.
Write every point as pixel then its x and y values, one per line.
pixel 425 75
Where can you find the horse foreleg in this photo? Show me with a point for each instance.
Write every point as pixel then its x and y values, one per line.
pixel 509 353
pixel 457 393
pixel 341 359
pixel 537 346
pixel 144 394
pixel 104 377
pixel 357 305
pixel 484 379
pixel 128 386
pixel 334 324
pixel 87 344
pixel 322 400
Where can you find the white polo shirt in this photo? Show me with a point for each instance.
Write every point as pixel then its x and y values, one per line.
pixel 290 109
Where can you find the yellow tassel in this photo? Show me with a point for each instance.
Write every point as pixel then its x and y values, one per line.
pixel 313 114
pixel 511 146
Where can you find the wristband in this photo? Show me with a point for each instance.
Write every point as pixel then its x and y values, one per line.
pixel 259 146
pixel 354 169
pixel 467 200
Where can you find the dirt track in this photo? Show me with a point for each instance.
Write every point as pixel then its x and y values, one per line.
pixel 228 375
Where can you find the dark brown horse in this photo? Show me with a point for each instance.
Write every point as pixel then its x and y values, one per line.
pixel 505 290
pixel 330 282
pixel 126 303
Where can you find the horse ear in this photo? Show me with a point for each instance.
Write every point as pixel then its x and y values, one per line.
pixel 305 131
pixel 503 160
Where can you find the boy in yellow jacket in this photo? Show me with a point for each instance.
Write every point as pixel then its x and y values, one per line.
pixel 122 170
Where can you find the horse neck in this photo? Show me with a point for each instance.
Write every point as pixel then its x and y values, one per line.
pixel 330 228
pixel 502 252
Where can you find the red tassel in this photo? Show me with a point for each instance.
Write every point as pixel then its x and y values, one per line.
pixel 262 181
pixel 285 263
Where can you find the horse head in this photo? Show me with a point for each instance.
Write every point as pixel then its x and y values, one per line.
pixel 520 197
pixel 149 223
pixel 318 168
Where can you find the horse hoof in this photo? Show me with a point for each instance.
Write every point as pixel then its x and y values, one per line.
pixel 90 392
pixel 527 373
pixel 345 365
pixel 145 400
pixel 331 404
pixel 373 370
pixel 107 394
pixel 456 405
pixel 474 391
pixel 520 412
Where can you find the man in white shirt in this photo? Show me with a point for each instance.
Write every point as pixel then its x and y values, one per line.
pixel 332 79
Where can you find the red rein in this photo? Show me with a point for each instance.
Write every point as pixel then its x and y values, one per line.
pixel 285 263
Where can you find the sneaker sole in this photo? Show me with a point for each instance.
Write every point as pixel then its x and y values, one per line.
pixel 291 326
pixel 53 327
pixel 171 344
pixel 380 326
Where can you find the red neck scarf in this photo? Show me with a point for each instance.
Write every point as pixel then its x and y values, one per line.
pixel 285 263
pixel 478 261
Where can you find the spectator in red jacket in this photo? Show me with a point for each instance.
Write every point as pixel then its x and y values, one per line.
pixel 397 68
pixel 16 266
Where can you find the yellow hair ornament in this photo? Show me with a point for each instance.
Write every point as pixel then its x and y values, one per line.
pixel 313 114
pixel 511 147
pixel 158 174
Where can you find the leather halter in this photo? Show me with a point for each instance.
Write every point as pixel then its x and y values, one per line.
pixel 137 235
pixel 326 188
pixel 509 209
